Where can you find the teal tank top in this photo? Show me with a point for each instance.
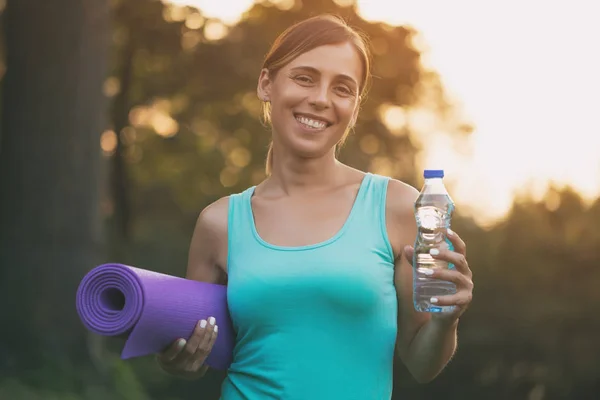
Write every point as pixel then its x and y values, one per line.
pixel 318 321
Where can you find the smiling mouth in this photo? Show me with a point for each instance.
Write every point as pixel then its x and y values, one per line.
pixel 311 123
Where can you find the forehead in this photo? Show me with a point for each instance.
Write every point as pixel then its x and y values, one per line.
pixel 332 60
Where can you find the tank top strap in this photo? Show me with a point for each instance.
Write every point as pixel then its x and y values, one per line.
pixel 371 206
pixel 239 223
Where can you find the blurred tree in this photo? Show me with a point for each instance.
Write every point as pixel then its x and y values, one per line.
pixel 50 176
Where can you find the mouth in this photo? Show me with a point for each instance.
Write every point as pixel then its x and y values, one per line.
pixel 312 122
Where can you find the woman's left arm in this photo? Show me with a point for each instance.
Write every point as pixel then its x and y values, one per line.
pixel 426 342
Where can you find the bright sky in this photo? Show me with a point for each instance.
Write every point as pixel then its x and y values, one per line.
pixel 526 75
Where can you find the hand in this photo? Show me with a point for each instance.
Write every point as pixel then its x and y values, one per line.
pixel 187 358
pixel 461 276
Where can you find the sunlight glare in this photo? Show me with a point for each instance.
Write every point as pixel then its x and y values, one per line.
pixel 526 86
pixel 283 5
pixel 108 142
pixel 344 3
pixel 215 30
pixel 239 157
pixel 155 117
pixel 393 117
pixel 370 144
pixel 229 176
pixel 111 87
pixel 189 40
pixel 229 12
pixel 164 125
pixel 174 13
pixel 194 21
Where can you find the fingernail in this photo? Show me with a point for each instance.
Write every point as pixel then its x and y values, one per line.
pixel 211 320
pixel 434 300
pixel 181 343
pixel 434 252
pixel 203 323
pixel 449 232
pixel 216 328
pixel 425 271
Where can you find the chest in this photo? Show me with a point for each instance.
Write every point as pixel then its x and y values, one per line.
pixel 342 279
pixel 302 221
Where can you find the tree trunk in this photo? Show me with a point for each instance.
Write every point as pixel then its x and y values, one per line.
pixel 50 174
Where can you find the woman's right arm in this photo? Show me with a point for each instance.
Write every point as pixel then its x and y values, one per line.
pixel 207 261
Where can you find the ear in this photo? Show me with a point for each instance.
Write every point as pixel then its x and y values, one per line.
pixel 264 85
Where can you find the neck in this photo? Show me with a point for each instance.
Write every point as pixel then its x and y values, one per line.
pixel 291 173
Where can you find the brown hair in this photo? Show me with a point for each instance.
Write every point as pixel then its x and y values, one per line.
pixel 321 30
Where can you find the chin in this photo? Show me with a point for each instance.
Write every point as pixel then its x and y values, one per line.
pixel 311 148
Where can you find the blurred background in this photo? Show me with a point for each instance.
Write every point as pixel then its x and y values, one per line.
pixel 122 119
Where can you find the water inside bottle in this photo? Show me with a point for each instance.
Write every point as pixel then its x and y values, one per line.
pixel 432 213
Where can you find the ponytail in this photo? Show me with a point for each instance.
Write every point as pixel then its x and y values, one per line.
pixel 269 163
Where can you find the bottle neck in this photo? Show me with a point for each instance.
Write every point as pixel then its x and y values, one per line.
pixel 435 185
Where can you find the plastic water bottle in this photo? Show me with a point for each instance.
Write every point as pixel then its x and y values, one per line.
pixel 433 210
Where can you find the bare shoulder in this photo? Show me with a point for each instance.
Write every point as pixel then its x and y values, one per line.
pixel 213 218
pixel 400 218
pixel 207 259
pixel 401 198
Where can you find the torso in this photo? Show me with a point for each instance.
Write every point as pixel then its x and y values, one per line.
pixel 310 277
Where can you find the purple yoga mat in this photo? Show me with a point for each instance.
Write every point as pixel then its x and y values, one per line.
pixel 152 310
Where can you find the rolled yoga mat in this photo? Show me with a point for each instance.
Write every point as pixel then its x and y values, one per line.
pixel 151 310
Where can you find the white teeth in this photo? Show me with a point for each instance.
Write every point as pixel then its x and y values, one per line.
pixel 312 123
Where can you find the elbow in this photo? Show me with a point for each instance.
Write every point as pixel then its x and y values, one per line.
pixel 423 374
pixel 423 378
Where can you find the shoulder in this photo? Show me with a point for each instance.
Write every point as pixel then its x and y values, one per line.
pixel 400 218
pixel 207 259
pixel 401 198
pixel 213 218
pixel 210 233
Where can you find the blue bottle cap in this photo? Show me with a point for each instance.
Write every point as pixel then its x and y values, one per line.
pixel 433 173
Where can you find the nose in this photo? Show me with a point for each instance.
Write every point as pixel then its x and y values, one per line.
pixel 320 97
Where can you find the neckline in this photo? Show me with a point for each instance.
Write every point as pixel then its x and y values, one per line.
pixel 336 236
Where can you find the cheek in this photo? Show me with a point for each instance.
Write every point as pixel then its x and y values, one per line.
pixel 290 94
pixel 283 102
pixel 346 109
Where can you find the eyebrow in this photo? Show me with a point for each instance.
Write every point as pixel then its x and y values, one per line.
pixel 316 71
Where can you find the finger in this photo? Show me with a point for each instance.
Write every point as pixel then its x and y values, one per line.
pixel 206 345
pixel 213 338
pixel 458 259
pixel 459 245
pixel 409 252
pixel 461 299
pixel 173 350
pixel 191 346
pixel 459 279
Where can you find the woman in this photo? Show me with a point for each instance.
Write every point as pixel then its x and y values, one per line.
pixel 317 256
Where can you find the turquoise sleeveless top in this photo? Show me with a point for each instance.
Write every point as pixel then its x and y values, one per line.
pixel 318 321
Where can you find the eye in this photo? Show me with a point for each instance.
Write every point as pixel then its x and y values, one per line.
pixel 303 79
pixel 344 90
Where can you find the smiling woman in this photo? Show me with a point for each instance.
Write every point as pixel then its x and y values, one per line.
pixel 309 54
pixel 316 257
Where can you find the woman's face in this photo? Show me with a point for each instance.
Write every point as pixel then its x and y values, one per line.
pixel 314 99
